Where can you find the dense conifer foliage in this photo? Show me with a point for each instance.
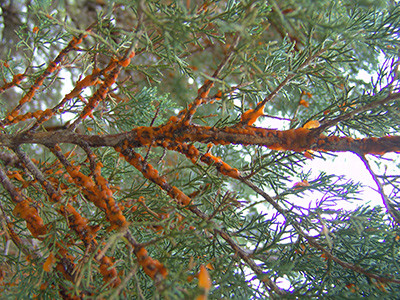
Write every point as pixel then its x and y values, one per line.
pixel 159 149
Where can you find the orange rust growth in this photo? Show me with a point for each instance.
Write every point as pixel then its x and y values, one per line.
pixel 125 62
pixel 216 97
pixel 25 209
pixel 37 228
pixel 97 190
pixel 221 166
pixel 98 193
pixel 49 263
pixel 204 278
pixel 114 213
pixel 16 174
pixel 173 119
pixel 108 271
pixel 16 80
pixel 186 115
pixel 311 124
pixel 85 232
pixel 79 224
pixel 29 213
pixel 250 116
pixel 148 171
pixel 102 91
pixel 351 287
pixel 151 266
pixel 301 184
pixel 205 283
pixel 293 139
pixel 304 103
pixel 53 66
pixel 308 154
pixel 205 89
pixel 378 146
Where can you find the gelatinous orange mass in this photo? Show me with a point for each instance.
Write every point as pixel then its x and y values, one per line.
pixel 311 124
pixel 204 278
pixel 50 261
pixel 250 116
pixel 304 103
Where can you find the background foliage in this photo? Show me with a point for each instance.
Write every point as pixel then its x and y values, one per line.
pixel 252 237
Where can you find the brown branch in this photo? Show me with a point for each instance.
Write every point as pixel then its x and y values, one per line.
pixel 260 106
pixel 10 159
pixel 52 67
pixel 315 244
pixel 268 198
pixel 26 245
pixel 10 188
pixel 386 201
pixel 37 174
pixel 186 115
pixel 344 264
pixel 115 67
pixel 298 140
pixel 76 222
pixel 353 113
pixel 250 135
pixel 36 225
pixel 182 199
pixel 245 256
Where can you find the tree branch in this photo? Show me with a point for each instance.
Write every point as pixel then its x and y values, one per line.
pixel 386 201
pixel 298 140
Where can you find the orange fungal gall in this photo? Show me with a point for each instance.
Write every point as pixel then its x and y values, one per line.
pixel 304 103
pixel 125 62
pixel 311 124
pixel 204 278
pixel 250 116
pixel 173 119
pixel 50 261
pixel 301 184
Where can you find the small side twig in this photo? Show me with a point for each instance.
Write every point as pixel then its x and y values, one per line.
pixel 386 201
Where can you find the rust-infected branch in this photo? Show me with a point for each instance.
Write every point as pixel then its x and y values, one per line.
pixel 299 140
pixel 251 115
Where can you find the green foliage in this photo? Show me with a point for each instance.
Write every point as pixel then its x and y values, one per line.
pixel 286 51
